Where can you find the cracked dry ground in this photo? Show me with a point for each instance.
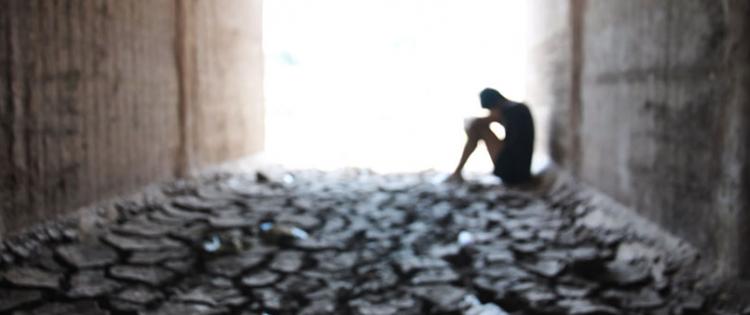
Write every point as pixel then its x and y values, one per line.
pixel 339 243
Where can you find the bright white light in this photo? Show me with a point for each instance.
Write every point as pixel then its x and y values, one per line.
pixel 385 84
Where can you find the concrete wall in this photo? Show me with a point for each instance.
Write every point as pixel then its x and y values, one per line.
pixel 98 98
pixel 650 106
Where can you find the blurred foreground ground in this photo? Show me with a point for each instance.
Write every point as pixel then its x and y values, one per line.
pixel 347 242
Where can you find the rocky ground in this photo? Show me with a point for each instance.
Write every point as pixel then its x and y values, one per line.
pixel 342 243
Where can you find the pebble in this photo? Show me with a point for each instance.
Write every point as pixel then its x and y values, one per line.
pixel 85 255
pixel 91 283
pixel 151 275
pixel 33 278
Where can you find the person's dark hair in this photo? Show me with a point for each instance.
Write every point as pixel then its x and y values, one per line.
pixel 491 98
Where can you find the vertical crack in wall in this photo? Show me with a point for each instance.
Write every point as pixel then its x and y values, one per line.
pixel 6 115
pixel 576 15
pixel 740 60
pixel 183 57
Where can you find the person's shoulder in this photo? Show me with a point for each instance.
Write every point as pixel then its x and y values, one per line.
pixel 522 105
pixel 518 106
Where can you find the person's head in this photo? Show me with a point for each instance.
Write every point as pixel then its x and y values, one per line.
pixel 492 99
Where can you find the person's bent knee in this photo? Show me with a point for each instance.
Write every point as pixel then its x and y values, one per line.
pixel 468 122
pixel 475 126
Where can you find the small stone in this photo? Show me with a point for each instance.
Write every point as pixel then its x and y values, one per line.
pixel 547 235
pixel 128 307
pixel 139 295
pixel 319 307
pixel 441 251
pixel 499 256
pixel 586 254
pixel 527 248
pixel 412 263
pixel 375 309
pixel 313 245
pixel 12 298
pixel 134 243
pixel 694 303
pixel 336 261
pixel 538 297
pixel 19 249
pixel 91 283
pixel 376 278
pixel 87 255
pixel 307 222
pixel 78 308
pixel 54 233
pixel 444 297
pixel 193 234
pixel 153 257
pixel 572 292
pixel 180 266
pixel 434 276
pixel 183 216
pixel 230 222
pixel 142 229
pixel 554 254
pixel 45 258
pixel 153 275
pixel 298 285
pixel 70 234
pixel 281 234
pixel 505 272
pixel 193 203
pixel 498 288
pixel 645 299
pixel 232 266
pixel 287 261
pixel 523 286
pixel 271 299
pixel 547 268
pixel 584 307
pixel 472 306
pixel 172 308
pixel 260 279
pixel 210 295
pixel 522 234
pixel 623 274
pixel 33 277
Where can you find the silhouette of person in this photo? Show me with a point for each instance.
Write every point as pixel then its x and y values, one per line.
pixel 511 156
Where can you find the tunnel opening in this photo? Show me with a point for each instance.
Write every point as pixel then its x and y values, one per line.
pixel 386 84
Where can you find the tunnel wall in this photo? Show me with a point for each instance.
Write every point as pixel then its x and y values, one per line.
pixel 650 106
pixel 98 98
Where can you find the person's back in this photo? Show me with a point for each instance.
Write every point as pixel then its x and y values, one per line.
pixel 513 164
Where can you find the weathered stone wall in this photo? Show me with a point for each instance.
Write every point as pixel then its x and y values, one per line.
pixel 100 97
pixel 651 108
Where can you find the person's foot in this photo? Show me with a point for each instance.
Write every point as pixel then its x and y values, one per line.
pixel 455 178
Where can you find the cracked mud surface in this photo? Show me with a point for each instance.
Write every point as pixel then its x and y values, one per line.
pixel 344 243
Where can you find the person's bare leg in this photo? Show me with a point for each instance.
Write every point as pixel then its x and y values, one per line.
pixel 477 129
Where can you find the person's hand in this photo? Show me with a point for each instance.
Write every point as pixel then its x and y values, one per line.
pixel 455 178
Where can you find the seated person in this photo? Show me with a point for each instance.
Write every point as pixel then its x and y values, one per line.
pixel 511 155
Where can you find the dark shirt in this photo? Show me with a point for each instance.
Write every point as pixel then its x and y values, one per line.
pixel 513 164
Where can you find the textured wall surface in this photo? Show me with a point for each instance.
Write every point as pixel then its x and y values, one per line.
pixel 228 78
pixel 652 109
pixel 98 98
pixel 550 70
